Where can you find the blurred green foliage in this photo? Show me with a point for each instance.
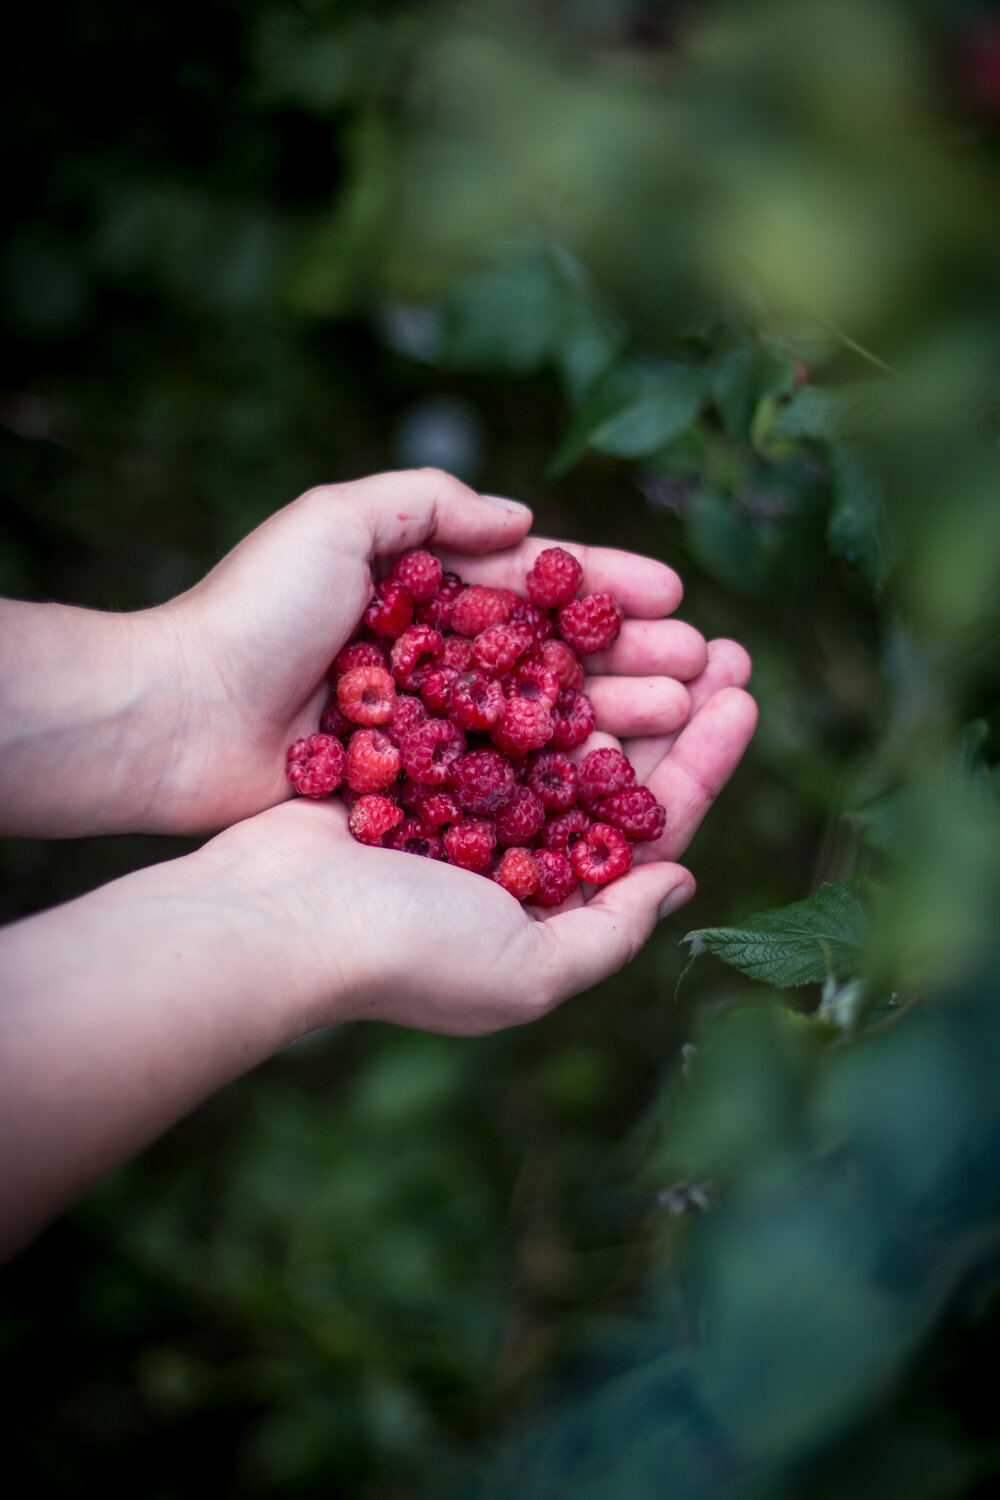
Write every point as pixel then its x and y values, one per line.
pixel 717 283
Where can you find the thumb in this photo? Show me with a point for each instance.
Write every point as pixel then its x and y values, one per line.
pixel 393 512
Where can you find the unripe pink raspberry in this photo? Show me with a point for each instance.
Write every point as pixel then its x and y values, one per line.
pixel 315 766
pixel 367 695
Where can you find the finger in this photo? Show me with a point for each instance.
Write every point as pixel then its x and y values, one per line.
pixel 643 587
pixel 590 942
pixel 729 665
pixel 671 648
pixel 393 512
pixel 638 705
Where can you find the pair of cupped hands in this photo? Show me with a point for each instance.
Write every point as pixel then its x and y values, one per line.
pixel 401 939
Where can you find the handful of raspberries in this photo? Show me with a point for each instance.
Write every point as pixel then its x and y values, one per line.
pixel 450 723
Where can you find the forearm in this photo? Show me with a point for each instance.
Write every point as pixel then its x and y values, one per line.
pixel 123 1010
pixel 83 742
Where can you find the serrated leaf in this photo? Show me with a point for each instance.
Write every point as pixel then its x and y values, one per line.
pixel 802 943
pixel 820 412
pixel 655 418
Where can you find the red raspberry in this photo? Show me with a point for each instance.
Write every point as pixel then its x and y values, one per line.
pixel 591 624
pixel 553 779
pixel 482 781
pixel 372 761
pixel 562 831
pixel 358 654
pixel 333 721
pixel 315 766
pixel 371 817
pixel 497 648
pixel 572 720
pixel 563 660
pixel 437 808
pixel 410 793
pixel 367 695
pixel 554 579
pixel 470 844
pixel 436 611
pixel 414 654
pixel 409 712
pixel 539 621
pixel 556 879
pixel 603 855
pixel 521 818
pixel 478 607
pixel 532 679
pixel 602 772
pixel 412 837
pixel 518 873
pixel 525 726
pixel 477 701
pixel 457 652
pixel 635 811
pixel 420 574
pixel 436 688
pixel 390 611
pixel 429 750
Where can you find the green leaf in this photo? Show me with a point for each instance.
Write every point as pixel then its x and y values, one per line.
pixel 798 944
pixel 634 410
pixel 859 528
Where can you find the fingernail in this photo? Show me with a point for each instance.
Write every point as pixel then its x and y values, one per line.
pixel 674 901
pixel 504 503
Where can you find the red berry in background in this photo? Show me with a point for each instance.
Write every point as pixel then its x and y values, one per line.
pixel 414 837
pixel 373 762
pixel 602 855
pixel 390 611
pixel 603 771
pixel 409 711
pixel 525 725
pixel 414 654
pixel 483 781
pixel 315 766
pixel 554 578
pixel 436 611
pixel 635 811
pixel 477 607
pixel 429 749
pixel 554 780
pixel 470 843
pixel 497 648
pixel 477 701
pixel 563 829
pixel 520 819
pixel 564 662
pixel 572 720
pixel 517 872
pixel 438 808
pixel 532 679
pixel 358 654
pixel 420 574
pixel 372 816
pixel 556 878
pixel 367 695
pixel 436 688
pixel 591 624
pixel 334 722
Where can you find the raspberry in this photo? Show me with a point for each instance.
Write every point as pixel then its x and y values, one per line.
pixel 602 772
pixel 518 873
pixel 371 817
pixel 359 654
pixel 482 781
pixel 470 844
pixel 436 688
pixel 410 793
pixel 430 748
pixel 563 660
pixel 477 701
pixel 437 808
pixel 497 648
pixel 525 726
pixel 476 608
pixel 553 779
pixel 372 761
pixel 333 721
pixel 521 818
pixel 635 811
pixel 367 695
pixel 603 855
pixel 562 831
pixel 390 611
pixel 457 652
pixel 419 573
pixel 591 624
pixel 436 611
pixel 413 837
pixel 539 621
pixel 315 766
pixel 414 654
pixel 531 679
pixel 572 720
pixel 554 579
pixel 556 879
pixel 409 712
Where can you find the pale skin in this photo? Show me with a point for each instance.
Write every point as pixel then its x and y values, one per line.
pixel 125 1008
